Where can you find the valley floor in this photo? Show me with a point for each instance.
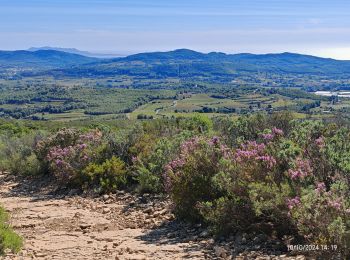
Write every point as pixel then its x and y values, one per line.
pixel 118 226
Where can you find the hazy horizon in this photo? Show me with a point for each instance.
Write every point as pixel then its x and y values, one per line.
pixel 111 53
pixel 319 28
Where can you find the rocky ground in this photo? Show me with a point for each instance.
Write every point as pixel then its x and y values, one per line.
pixel 116 226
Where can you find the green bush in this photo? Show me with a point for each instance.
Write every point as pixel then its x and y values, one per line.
pixel 324 216
pixel 149 166
pixel 147 181
pixel 17 155
pixel 299 185
pixel 8 238
pixel 106 177
pixel 189 178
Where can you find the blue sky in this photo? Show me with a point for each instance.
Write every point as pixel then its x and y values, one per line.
pixel 319 27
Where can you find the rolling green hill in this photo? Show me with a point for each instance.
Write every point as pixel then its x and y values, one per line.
pixel 41 59
pixel 188 63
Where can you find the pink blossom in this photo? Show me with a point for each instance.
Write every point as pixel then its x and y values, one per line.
pixel 268 136
pixel 301 169
pixel 335 204
pixel 254 151
pixel 177 163
pixel 291 203
pixel 82 146
pixel 320 142
pixel 277 131
pixel 269 160
pixel 321 187
pixel 85 158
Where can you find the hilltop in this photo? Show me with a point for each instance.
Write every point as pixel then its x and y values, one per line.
pixel 177 63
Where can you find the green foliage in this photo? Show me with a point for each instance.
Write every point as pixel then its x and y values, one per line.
pixel 8 238
pixel 106 177
pixel 147 181
pixel 263 170
pixel 202 122
pixel 189 178
pixel 227 215
pixel 338 150
pixel 17 155
pixel 42 101
pixel 324 216
pixel 149 166
pixel 294 180
pixel 269 199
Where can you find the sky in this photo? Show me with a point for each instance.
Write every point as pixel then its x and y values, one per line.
pixel 317 27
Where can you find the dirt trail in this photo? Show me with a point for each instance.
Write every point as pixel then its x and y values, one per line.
pixel 72 227
pixel 119 226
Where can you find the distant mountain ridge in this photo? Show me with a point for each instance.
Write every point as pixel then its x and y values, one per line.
pixel 190 54
pixel 41 59
pixel 216 63
pixel 177 63
pixel 76 51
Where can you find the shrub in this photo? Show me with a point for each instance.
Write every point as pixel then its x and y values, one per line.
pixel 148 166
pixel 68 152
pixel 106 177
pixel 270 179
pixel 147 180
pixel 189 178
pixel 17 155
pixel 227 214
pixel 323 217
pixel 63 138
pixel 8 238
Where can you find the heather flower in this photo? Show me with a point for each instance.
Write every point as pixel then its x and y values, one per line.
pixel 335 204
pixel 320 187
pixel 301 169
pixel 190 145
pixel 277 131
pixel 226 151
pixel 209 150
pixel 268 137
pixel 269 160
pixel 254 151
pixel 71 155
pixel 58 162
pixel 320 142
pixel 82 146
pixel 177 163
pixel 86 158
pixel 291 203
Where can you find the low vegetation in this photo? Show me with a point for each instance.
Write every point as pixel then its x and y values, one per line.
pixel 9 240
pixel 273 174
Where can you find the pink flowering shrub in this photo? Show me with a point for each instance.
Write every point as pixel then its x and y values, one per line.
pixel 148 166
pixel 210 181
pixel 264 180
pixel 253 159
pixel 189 178
pixel 300 169
pixel 323 217
pixel 68 152
pixel 62 138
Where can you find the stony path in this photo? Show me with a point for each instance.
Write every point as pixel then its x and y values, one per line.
pixel 79 228
pixel 119 226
